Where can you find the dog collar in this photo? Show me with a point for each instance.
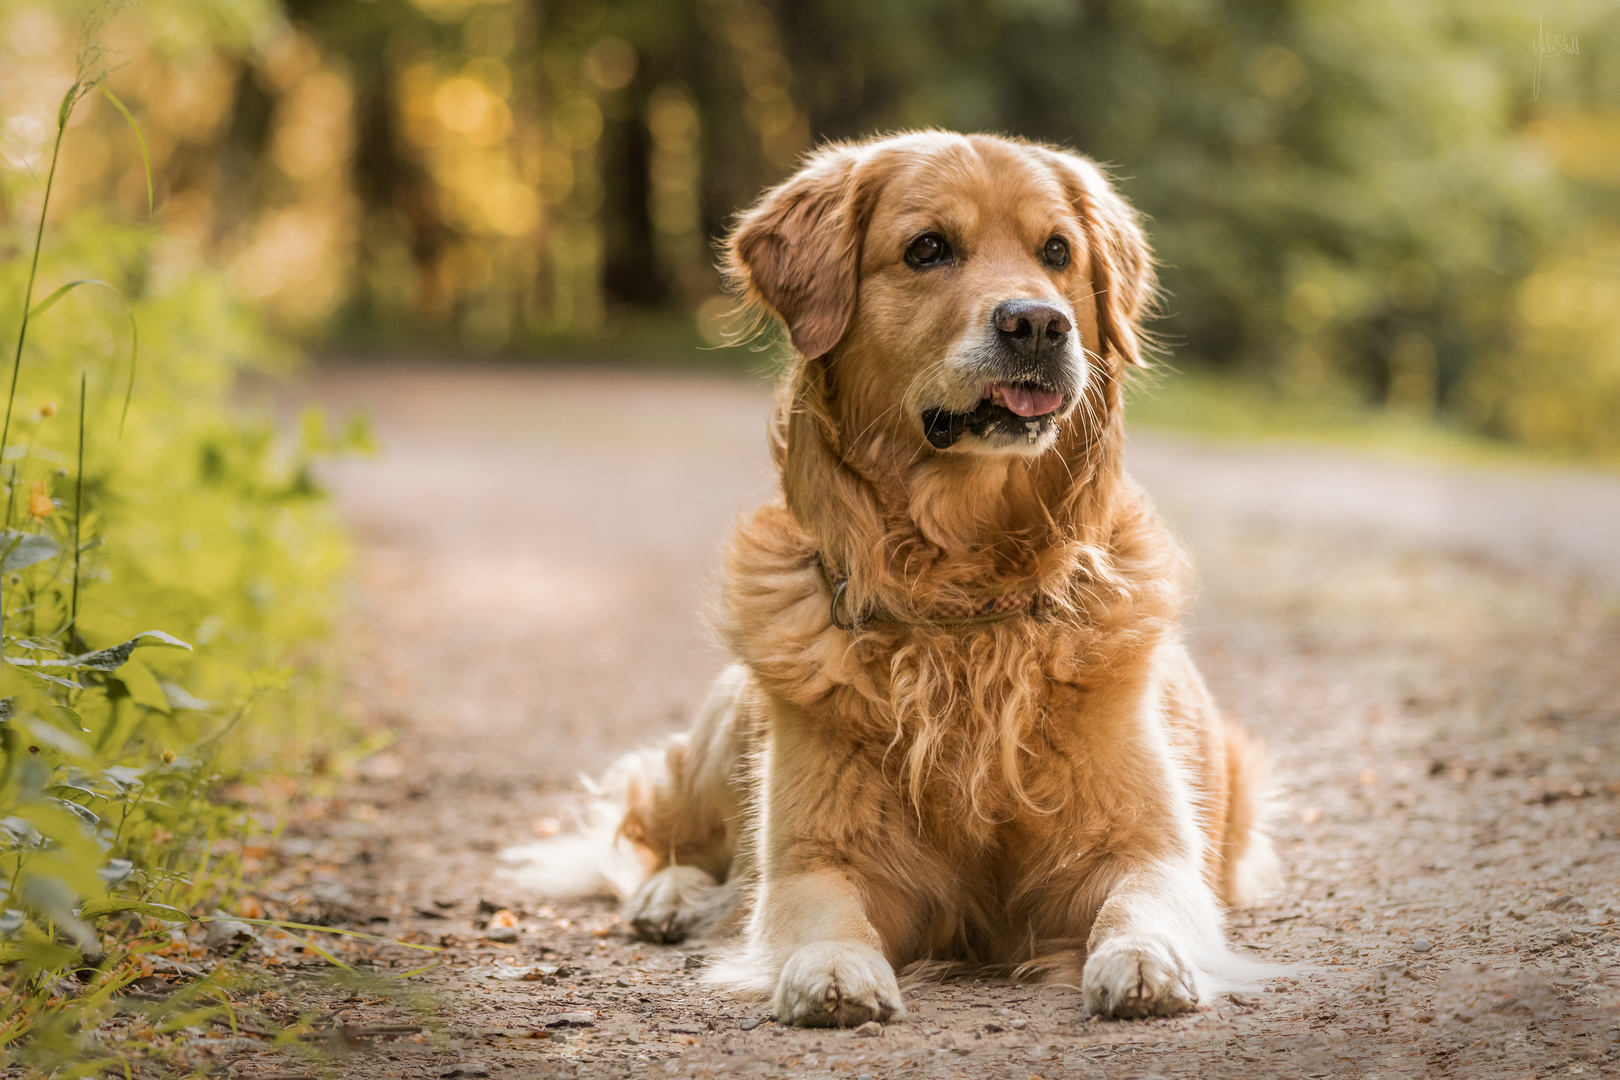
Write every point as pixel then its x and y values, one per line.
pixel 969 612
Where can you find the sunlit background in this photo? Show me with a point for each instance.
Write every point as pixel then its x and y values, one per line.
pixel 1394 221
pixel 1400 205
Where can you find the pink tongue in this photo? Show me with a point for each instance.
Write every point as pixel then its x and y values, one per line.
pixel 1027 400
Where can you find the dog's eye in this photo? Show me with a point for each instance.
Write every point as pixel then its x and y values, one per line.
pixel 929 249
pixel 1056 252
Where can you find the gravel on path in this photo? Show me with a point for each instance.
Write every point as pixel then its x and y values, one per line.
pixel 1432 653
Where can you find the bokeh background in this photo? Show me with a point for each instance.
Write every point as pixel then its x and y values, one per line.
pixel 1407 207
pixel 1389 220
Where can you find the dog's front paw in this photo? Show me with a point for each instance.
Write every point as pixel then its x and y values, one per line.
pixel 830 984
pixel 1128 978
pixel 673 904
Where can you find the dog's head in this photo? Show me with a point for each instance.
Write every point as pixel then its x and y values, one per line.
pixel 962 295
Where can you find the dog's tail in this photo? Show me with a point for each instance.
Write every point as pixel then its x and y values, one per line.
pixel 673 804
pixel 596 857
pixel 1248 860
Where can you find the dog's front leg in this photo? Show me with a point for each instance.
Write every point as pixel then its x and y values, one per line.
pixel 1151 944
pixel 834 973
pixel 811 940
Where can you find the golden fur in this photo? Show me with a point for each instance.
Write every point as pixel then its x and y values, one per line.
pixel 1054 789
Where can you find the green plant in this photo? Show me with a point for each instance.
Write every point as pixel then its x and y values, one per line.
pixel 167 571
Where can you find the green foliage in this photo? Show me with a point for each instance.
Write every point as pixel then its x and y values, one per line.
pixel 1375 201
pixel 1347 199
pixel 1399 204
pixel 168 571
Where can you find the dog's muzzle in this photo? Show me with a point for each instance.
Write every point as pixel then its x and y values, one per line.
pixel 1028 374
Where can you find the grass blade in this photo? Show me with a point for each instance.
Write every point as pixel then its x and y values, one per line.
pixel 33 267
pixel 175 1021
pixel 90 1068
pixel 280 924
pixel 95 909
pixel 318 951
pixel 134 354
pixel 225 1003
pixel 78 519
pixel 50 301
pixel 146 155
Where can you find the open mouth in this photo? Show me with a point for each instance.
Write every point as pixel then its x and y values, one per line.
pixel 1008 410
pixel 1023 399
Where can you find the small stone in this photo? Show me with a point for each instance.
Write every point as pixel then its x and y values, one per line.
pixel 572 1019
pixel 466 1068
pixel 221 933
pixel 868 1029
pixel 1421 945
pixel 502 926
pixel 66 988
pixel 750 1024
pixel 930 1031
pixel 1018 1024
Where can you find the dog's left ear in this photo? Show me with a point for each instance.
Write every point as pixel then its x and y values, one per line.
pixel 1121 261
pixel 798 251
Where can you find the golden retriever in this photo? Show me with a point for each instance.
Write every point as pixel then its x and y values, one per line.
pixel 962 725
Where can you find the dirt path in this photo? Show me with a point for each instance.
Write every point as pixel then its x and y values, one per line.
pixel 1432 652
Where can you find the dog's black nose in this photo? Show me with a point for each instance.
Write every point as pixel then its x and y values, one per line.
pixel 1030 328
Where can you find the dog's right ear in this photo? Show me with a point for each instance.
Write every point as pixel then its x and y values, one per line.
pixel 797 252
pixel 1121 262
